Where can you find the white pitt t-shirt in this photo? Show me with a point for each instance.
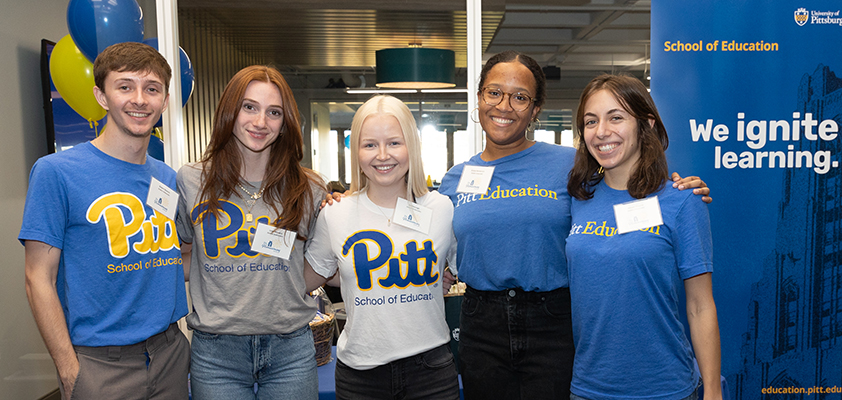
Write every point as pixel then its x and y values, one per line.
pixel 390 277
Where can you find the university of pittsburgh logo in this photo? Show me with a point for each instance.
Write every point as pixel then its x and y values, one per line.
pixel 801 16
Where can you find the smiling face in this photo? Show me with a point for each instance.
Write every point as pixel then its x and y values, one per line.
pixel 260 118
pixel 505 128
pixel 383 155
pixel 134 101
pixel 611 135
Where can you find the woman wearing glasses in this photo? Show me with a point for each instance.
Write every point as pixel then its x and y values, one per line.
pixel 516 338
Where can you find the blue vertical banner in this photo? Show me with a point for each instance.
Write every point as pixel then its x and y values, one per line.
pixel 751 94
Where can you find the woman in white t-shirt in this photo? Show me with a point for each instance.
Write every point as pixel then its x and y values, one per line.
pixel 389 240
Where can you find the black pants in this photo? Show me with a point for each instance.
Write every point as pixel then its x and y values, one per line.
pixel 516 345
pixel 430 375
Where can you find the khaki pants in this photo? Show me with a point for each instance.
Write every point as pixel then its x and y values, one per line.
pixel 154 369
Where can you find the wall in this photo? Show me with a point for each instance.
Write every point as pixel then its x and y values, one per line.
pixel 26 370
pixel 214 61
pixel 323 158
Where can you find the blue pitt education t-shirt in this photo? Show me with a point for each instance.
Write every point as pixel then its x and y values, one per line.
pixel 120 276
pixel 513 235
pixel 624 292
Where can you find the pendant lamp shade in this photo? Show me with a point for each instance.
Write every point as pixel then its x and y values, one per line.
pixel 416 68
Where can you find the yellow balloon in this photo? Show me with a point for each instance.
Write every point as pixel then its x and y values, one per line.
pixel 73 76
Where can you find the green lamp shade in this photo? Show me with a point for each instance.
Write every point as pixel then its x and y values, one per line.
pixel 416 68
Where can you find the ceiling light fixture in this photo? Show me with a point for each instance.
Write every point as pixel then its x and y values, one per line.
pixel 416 68
pixel 454 90
pixel 379 91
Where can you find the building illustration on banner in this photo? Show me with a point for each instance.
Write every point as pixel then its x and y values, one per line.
pixel 794 333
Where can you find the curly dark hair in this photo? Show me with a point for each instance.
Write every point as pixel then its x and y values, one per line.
pixel 528 62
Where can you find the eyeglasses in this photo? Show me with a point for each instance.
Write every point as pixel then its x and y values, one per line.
pixel 518 101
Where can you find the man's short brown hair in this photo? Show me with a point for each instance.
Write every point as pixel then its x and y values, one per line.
pixel 132 57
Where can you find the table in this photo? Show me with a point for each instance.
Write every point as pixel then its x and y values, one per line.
pixel 327 381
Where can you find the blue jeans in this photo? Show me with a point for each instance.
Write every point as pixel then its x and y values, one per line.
pixel 515 344
pixel 229 366
pixel 429 375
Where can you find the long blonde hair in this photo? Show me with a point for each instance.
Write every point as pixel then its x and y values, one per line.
pixel 416 184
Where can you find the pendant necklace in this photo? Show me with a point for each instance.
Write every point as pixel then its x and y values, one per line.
pixel 253 197
pixel 388 220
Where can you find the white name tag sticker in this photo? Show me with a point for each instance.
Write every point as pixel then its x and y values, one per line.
pixel 413 216
pixel 162 199
pixel 638 214
pixel 475 179
pixel 275 242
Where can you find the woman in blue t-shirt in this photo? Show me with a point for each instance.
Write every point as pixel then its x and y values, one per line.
pixel 633 242
pixel 515 338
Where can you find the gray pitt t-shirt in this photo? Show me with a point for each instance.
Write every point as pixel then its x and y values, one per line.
pixel 236 291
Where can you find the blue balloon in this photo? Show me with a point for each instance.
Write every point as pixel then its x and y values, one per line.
pixel 187 76
pixel 156 148
pixel 96 24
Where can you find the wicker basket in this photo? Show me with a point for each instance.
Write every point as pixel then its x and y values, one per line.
pixel 322 327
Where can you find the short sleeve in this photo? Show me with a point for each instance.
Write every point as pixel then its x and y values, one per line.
pixel 451 253
pixel 318 192
pixel 319 252
pixel 183 221
pixel 693 242
pixel 45 213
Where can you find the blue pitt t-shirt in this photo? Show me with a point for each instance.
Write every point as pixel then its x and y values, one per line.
pixel 513 235
pixel 624 296
pixel 120 276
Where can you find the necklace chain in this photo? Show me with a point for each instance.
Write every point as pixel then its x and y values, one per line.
pixel 254 196
pixel 388 220
pixel 252 200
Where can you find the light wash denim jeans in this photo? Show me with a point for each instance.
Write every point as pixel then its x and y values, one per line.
pixel 228 366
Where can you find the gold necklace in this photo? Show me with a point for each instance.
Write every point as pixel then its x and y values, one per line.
pixel 253 197
pixel 388 220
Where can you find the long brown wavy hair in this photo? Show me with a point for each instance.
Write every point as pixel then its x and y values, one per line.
pixel 286 182
pixel 651 172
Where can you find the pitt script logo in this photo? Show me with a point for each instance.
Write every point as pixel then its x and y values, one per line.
pixel 498 193
pixel 215 231
pixel 593 228
pixel 156 233
pixel 410 260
